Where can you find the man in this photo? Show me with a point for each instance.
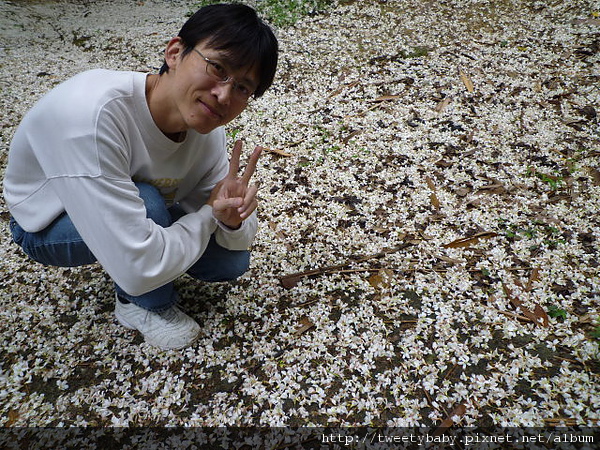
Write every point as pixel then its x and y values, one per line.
pixel 131 170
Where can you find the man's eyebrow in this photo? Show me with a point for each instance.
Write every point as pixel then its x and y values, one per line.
pixel 224 59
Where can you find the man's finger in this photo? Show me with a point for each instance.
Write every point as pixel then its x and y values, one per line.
pixel 249 197
pixel 234 163
pixel 251 167
pixel 249 210
pixel 227 203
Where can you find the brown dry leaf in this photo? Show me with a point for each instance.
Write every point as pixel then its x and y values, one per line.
pixel 382 279
pixel 590 21
pixel 561 422
pixel 466 81
pixel 350 136
pixel 463 192
pixel 304 325
pixel 595 174
pixel 459 411
pixel 466 241
pixel 435 201
pixel 586 318
pixel 290 281
pixel 442 105
pixel 276 151
pixel 341 88
pixel 541 315
pixel 13 416
pixel 538 316
pixel 386 98
pixel 448 260
pixel 495 188
pixel 475 203
pixel 430 183
pixel 535 276
pixel 443 163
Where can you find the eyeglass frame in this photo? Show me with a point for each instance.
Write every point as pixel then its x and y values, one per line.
pixel 227 78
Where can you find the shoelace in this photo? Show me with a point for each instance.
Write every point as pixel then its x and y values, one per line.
pixel 171 314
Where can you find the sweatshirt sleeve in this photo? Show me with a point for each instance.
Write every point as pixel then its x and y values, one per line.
pixel 89 173
pixel 138 254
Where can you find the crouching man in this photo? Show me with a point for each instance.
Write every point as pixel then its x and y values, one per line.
pixel 131 170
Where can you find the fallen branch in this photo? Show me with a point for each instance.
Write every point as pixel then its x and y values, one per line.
pixel 289 281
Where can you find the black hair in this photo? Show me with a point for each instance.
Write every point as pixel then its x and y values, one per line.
pixel 237 30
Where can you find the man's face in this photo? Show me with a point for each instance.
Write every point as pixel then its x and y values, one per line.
pixel 202 99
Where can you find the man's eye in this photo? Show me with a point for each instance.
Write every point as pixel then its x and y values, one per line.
pixel 244 90
pixel 219 70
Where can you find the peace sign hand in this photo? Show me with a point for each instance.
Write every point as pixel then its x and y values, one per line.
pixel 233 199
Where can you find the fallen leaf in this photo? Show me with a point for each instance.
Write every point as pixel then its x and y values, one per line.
pixel 466 81
pixel 381 279
pixel 463 192
pixel 493 188
pixel 586 318
pixel 443 163
pixel 561 422
pixel 541 315
pixel 290 281
pixel 458 412
pixel 305 325
pixel 448 260
pixel 586 22
pixel 13 416
pixel 350 136
pixel 386 98
pixel 276 151
pixel 466 241
pixel 538 316
pixel 430 183
pixel 535 276
pixel 341 88
pixel 595 174
pixel 434 200
pixel 442 105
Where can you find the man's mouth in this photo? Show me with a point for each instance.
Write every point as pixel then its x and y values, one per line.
pixel 212 111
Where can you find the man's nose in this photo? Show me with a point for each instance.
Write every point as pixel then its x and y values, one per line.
pixel 224 91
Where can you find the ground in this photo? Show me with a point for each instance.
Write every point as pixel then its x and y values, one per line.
pixel 429 233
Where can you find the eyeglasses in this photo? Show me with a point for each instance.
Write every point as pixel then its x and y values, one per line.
pixel 241 91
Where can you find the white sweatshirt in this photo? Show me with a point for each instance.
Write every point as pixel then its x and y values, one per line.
pixel 81 148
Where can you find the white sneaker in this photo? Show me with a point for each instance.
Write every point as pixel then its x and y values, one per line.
pixel 169 330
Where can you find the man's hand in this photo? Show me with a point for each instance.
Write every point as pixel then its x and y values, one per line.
pixel 233 199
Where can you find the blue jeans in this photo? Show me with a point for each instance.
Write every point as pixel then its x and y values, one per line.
pixel 60 244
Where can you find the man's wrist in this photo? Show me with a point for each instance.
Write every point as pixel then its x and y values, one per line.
pixel 229 227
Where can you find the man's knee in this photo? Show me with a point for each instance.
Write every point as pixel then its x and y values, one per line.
pixel 239 266
pixel 219 264
pixel 229 269
pixel 156 209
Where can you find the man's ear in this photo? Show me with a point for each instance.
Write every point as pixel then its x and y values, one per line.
pixel 173 52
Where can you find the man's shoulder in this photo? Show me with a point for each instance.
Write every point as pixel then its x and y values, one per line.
pixel 101 81
pixel 78 100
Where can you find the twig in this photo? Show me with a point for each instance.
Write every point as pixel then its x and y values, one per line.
pixel 289 281
pixel 516 316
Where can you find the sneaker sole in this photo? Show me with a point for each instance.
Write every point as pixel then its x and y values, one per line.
pixel 124 323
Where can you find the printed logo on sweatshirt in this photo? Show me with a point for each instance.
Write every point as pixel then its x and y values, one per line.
pixel 166 186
